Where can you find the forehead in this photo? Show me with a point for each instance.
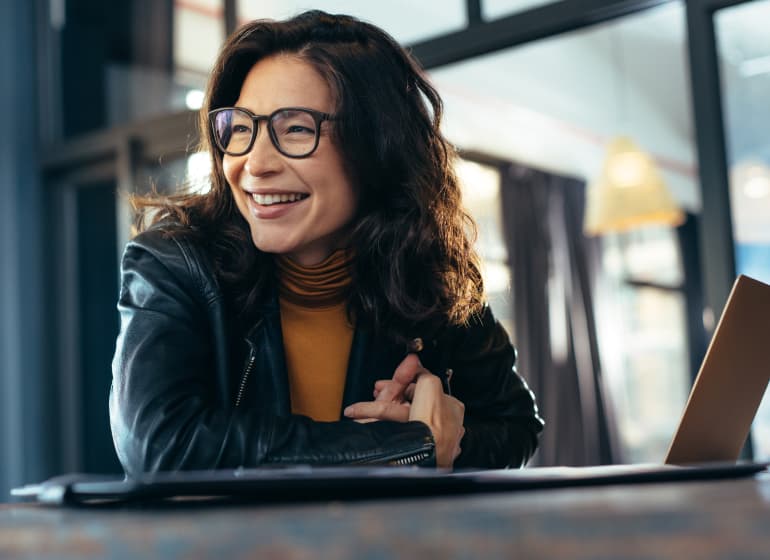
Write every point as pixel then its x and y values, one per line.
pixel 284 81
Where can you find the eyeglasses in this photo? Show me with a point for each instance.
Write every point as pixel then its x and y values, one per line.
pixel 294 131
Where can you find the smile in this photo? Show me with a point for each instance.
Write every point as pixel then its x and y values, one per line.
pixel 270 199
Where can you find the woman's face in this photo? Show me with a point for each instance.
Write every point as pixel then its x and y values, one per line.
pixel 317 220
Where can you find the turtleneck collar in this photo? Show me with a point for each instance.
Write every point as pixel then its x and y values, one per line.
pixel 322 285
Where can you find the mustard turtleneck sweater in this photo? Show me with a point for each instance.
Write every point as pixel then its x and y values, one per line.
pixel 317 334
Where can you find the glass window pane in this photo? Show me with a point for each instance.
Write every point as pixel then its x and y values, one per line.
pixel 645 364
pixel 643 337
pixel 493 9
pixel 137 92
pixel 480 186
pixel 535 106
pixel 408 22
pixel 744 55
pixel 199 31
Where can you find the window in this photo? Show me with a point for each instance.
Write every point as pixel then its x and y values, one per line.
pixel 199 31
pixel 641 319
pixel 535 106
pixel 408 22
pixel 480 186
pixel 744 55
pixel 493 9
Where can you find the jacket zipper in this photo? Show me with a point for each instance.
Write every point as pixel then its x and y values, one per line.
pixel 245 378
pixel 402 459
pixel 412 459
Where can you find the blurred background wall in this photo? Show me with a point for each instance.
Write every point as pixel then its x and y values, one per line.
pixel 99 100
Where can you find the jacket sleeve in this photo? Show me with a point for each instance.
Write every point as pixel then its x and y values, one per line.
pixel 164 413
pixel 501 418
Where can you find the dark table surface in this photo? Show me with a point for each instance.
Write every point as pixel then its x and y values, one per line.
pixel 682 520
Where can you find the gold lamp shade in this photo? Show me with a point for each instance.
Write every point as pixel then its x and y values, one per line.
pixel 629 193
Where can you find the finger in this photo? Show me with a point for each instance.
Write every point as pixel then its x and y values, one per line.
pixel 380 410
pixel 390 392
pixel 429 382
pixel 460 436
pixel 458 405
pixel 405 373
pixel 409 391
pixel 384 390
pixel 366 420
pixel 425 397
pixel 407 370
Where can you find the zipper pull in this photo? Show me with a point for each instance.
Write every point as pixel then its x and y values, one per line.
pixel 414 346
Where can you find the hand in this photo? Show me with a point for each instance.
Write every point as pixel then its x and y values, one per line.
pixel 400 387
pixel 391 396
pixel 442 413
pixel 416 394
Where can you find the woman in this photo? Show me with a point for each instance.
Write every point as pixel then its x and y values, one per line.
pixel 330 263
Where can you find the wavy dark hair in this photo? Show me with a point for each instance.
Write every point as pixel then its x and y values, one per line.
pixel 415 268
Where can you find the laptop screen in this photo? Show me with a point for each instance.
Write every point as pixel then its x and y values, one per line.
pixel 731 381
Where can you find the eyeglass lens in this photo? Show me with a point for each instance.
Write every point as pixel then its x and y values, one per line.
pixel 294 131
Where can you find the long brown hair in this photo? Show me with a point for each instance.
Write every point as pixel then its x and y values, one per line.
pixel 415 268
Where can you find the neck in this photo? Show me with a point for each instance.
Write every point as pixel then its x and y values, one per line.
pixel 321 285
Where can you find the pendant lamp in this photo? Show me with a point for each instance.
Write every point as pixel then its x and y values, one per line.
pixel 629 193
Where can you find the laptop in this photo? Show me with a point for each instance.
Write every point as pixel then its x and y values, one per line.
pixel 713 429
pixel 731 382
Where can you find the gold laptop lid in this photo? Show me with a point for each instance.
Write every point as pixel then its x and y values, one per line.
pixel 731 381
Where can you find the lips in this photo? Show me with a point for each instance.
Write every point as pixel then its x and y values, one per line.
pixel 269 206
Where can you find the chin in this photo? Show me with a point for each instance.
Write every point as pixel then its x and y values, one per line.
pixel 273 246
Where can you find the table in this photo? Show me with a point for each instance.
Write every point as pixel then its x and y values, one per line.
pixel 682 520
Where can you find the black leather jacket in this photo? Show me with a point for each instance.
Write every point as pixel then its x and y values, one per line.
pixel 192 391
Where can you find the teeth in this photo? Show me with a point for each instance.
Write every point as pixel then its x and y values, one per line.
pixel 268 199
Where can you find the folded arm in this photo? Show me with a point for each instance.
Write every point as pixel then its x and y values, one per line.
pixel 166 412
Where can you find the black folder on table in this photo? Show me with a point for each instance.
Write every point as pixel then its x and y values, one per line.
pixel 304 483
pixel 713 428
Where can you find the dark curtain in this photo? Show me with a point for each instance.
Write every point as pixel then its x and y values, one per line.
pixel 553 267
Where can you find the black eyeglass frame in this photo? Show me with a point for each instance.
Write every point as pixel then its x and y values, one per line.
pixel 318 118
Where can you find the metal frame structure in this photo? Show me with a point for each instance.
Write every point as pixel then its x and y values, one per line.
pixel 484 37
pixel 716 231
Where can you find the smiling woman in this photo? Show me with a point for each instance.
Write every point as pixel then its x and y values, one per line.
pixel 314 304
pixel 315 221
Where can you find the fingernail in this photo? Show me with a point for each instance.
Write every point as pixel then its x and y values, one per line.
pixel 347 411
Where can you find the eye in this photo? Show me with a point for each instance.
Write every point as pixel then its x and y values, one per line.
pixel 294 123
pixel 299 129
pixel 241 129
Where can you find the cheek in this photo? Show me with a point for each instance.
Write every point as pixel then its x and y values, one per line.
pixel 352 197
pixel 231 168
pixel 351 207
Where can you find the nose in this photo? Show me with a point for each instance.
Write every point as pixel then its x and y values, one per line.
pixel 263 159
